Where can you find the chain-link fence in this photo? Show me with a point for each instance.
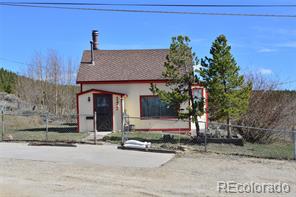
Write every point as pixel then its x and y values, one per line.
pixel 43 127
pixel 213 137
pixel 258 142
pixel 163 133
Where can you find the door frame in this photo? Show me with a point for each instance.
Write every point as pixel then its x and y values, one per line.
pixel 94 108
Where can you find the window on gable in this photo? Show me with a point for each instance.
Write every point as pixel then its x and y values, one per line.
pixel 153 107
pixel 197 94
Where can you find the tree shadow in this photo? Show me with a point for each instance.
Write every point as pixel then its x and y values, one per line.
pixel 52 129
pixel 156 141
pixel 69 124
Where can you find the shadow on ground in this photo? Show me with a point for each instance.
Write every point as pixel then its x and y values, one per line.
pixel 52 129
pixel 156 141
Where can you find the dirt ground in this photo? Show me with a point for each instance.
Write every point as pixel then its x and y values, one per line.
pixel 185 175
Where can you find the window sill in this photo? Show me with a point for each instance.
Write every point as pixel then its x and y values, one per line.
pixel 159 118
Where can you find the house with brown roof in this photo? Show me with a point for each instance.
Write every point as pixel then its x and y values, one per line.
pixel 115 84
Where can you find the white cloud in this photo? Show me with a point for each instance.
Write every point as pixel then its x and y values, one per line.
pixel 265 71
pixel 289 32
pixel 266 50
pixel 291 44
pixel 276 31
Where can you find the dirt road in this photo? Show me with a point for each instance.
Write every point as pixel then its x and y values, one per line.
pixel 187 175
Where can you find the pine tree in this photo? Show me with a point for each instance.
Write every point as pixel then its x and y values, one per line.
pixel 228 92
pixel 7 81
pixel 178 69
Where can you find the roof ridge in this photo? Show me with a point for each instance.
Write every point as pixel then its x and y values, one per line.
pixel 129 49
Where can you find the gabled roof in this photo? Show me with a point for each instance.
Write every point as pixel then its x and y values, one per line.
pixel 101 91
pixel 122 65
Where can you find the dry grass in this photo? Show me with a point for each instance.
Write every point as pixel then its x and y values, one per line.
pixel 32 128
pixel 277 150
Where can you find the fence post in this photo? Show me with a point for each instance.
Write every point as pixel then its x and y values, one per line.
pixel 2 132
pixel 95 129
pixel 125 129
pixel 46 131
pixel 122 128
pixel 294 142
pixel 179 138
pixel 206 137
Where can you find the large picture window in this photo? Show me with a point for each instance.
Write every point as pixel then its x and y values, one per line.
pixel 153 107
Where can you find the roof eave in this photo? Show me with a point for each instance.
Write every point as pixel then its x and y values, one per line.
pixel 123 81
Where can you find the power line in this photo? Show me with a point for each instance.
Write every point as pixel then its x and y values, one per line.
pixel 157 5
pixel 153 11
pixel 13 61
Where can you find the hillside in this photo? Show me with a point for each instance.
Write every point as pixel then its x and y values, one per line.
pixel 11 103
pixel 36 95
pixel 7 81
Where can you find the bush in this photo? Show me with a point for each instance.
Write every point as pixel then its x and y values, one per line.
pixel 258 136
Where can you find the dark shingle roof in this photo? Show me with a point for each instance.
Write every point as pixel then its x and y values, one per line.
pixel 122 65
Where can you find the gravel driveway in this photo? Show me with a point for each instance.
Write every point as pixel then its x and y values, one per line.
pixel 189 174
pixel 106 154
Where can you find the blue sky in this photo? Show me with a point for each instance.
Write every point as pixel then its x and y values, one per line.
pixel 260 45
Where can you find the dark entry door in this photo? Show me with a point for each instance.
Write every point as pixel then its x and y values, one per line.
pixel 104 109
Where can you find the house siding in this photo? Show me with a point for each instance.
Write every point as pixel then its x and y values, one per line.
pixel 132 108
pixel 86 109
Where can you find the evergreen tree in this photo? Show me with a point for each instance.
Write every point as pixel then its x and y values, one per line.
pixel 228 92
pixel 178 69
pixel 7 81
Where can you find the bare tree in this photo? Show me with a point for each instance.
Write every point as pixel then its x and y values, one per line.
pixel 37 64
pixel 48 84
pixel 68 84
pixel 54 68
pixel 268 108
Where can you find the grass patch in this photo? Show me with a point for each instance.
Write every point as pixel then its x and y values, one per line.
pixel 32 128
pixel 279 150
pixel 154 137
pixel 15 121
pixel 39 134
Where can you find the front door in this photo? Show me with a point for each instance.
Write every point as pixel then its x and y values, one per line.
pixel 104 109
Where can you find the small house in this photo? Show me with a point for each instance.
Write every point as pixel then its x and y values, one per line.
pixel 114 85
